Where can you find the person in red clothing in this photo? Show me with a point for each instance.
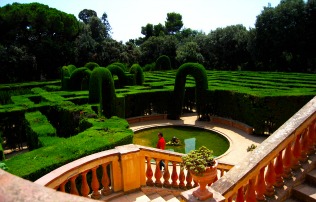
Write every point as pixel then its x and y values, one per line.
pixel 161 144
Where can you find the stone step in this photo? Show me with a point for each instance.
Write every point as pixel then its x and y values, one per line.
pixel 311 177
pixel 132 197
pixel 156 198
pixel 305 193
pixel 146 194
pixel 170 198
pixel 292 200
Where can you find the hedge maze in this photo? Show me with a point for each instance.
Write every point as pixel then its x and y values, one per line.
pixel 85 111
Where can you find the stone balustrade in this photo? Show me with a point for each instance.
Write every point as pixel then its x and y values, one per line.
pixel 274 160
pixel 124 168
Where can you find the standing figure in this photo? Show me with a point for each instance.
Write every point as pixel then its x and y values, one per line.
pixel 161 144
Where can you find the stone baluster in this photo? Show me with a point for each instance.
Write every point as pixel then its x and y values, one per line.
pixel 311 132
pixel 189 180
pixel 240 195
pixel 296 153
pixel 181 179
pixel 279 170
pixel 287 161
pixel 250 195
pixel 195 183
pixel 95 185
pixel 62 186
pixel 158 174
pixel 149 173
pixel 304 146
pixel 222 172
pixel 270 179
pixel 73 187
pixel 85 189
pixel 166 175
pixel 105 180
pixel 174 175
pixel 261 185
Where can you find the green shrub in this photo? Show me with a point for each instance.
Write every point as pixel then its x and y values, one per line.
pixel 102 91
pixel 3 166
pixel 37 126
pixel 163 63
pixel 149 67
pixel 104 134
pixel 91 65
pixel 79 79
pixel 118 71
pixel 121 65
pixel 66 71
pixel 137 70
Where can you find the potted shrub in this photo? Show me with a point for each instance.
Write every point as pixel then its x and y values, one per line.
pixel 203 169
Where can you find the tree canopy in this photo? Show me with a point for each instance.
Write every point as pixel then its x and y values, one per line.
pixel 36 41
pixel 40 35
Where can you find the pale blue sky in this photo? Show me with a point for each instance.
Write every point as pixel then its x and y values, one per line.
pixel 126 17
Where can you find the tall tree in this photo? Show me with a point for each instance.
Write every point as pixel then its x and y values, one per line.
pixel 174 22
pixel 154 47
pixel 281 36
pixel 105 22
pixel 44 34
pixel 189 52
pixel 86 14
pixel 159 30
pixel 229 45
pixel 97 28
pixel 148 30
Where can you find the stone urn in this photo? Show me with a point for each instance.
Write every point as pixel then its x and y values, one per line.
pixel 208 177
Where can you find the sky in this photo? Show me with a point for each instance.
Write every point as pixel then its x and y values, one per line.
pixel 126 17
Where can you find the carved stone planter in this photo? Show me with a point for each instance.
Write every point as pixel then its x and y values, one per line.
pixel 206 178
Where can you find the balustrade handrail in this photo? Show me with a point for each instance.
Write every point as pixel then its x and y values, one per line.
pixel 273 153
pixel 65 172
pixel 118 157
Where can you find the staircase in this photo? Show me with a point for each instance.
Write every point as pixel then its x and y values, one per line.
pixel 147 194
pixel 306 192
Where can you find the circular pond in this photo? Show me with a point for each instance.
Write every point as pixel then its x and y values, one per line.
pixel 189 137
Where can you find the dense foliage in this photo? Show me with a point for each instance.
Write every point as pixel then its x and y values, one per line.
pixel 36 41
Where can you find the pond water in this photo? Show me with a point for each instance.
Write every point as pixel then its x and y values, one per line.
pixel 190 138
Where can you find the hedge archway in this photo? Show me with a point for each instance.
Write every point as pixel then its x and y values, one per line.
pixel 65 76
pixel 137 70
pixel 198 72
pixel 79 79
pixel 101 90
pixel 163 63
pixel 118 71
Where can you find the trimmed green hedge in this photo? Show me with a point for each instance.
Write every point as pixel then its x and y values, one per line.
pixel 91 65
pixel 137 70
pixel 37 126
pixel 66 71
pixel 261 100
pixel 121 65
pixel 79 79
pixel 118 71
pixel 102 90
pixel 102 135
pixel 163 63
pixel 198 72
